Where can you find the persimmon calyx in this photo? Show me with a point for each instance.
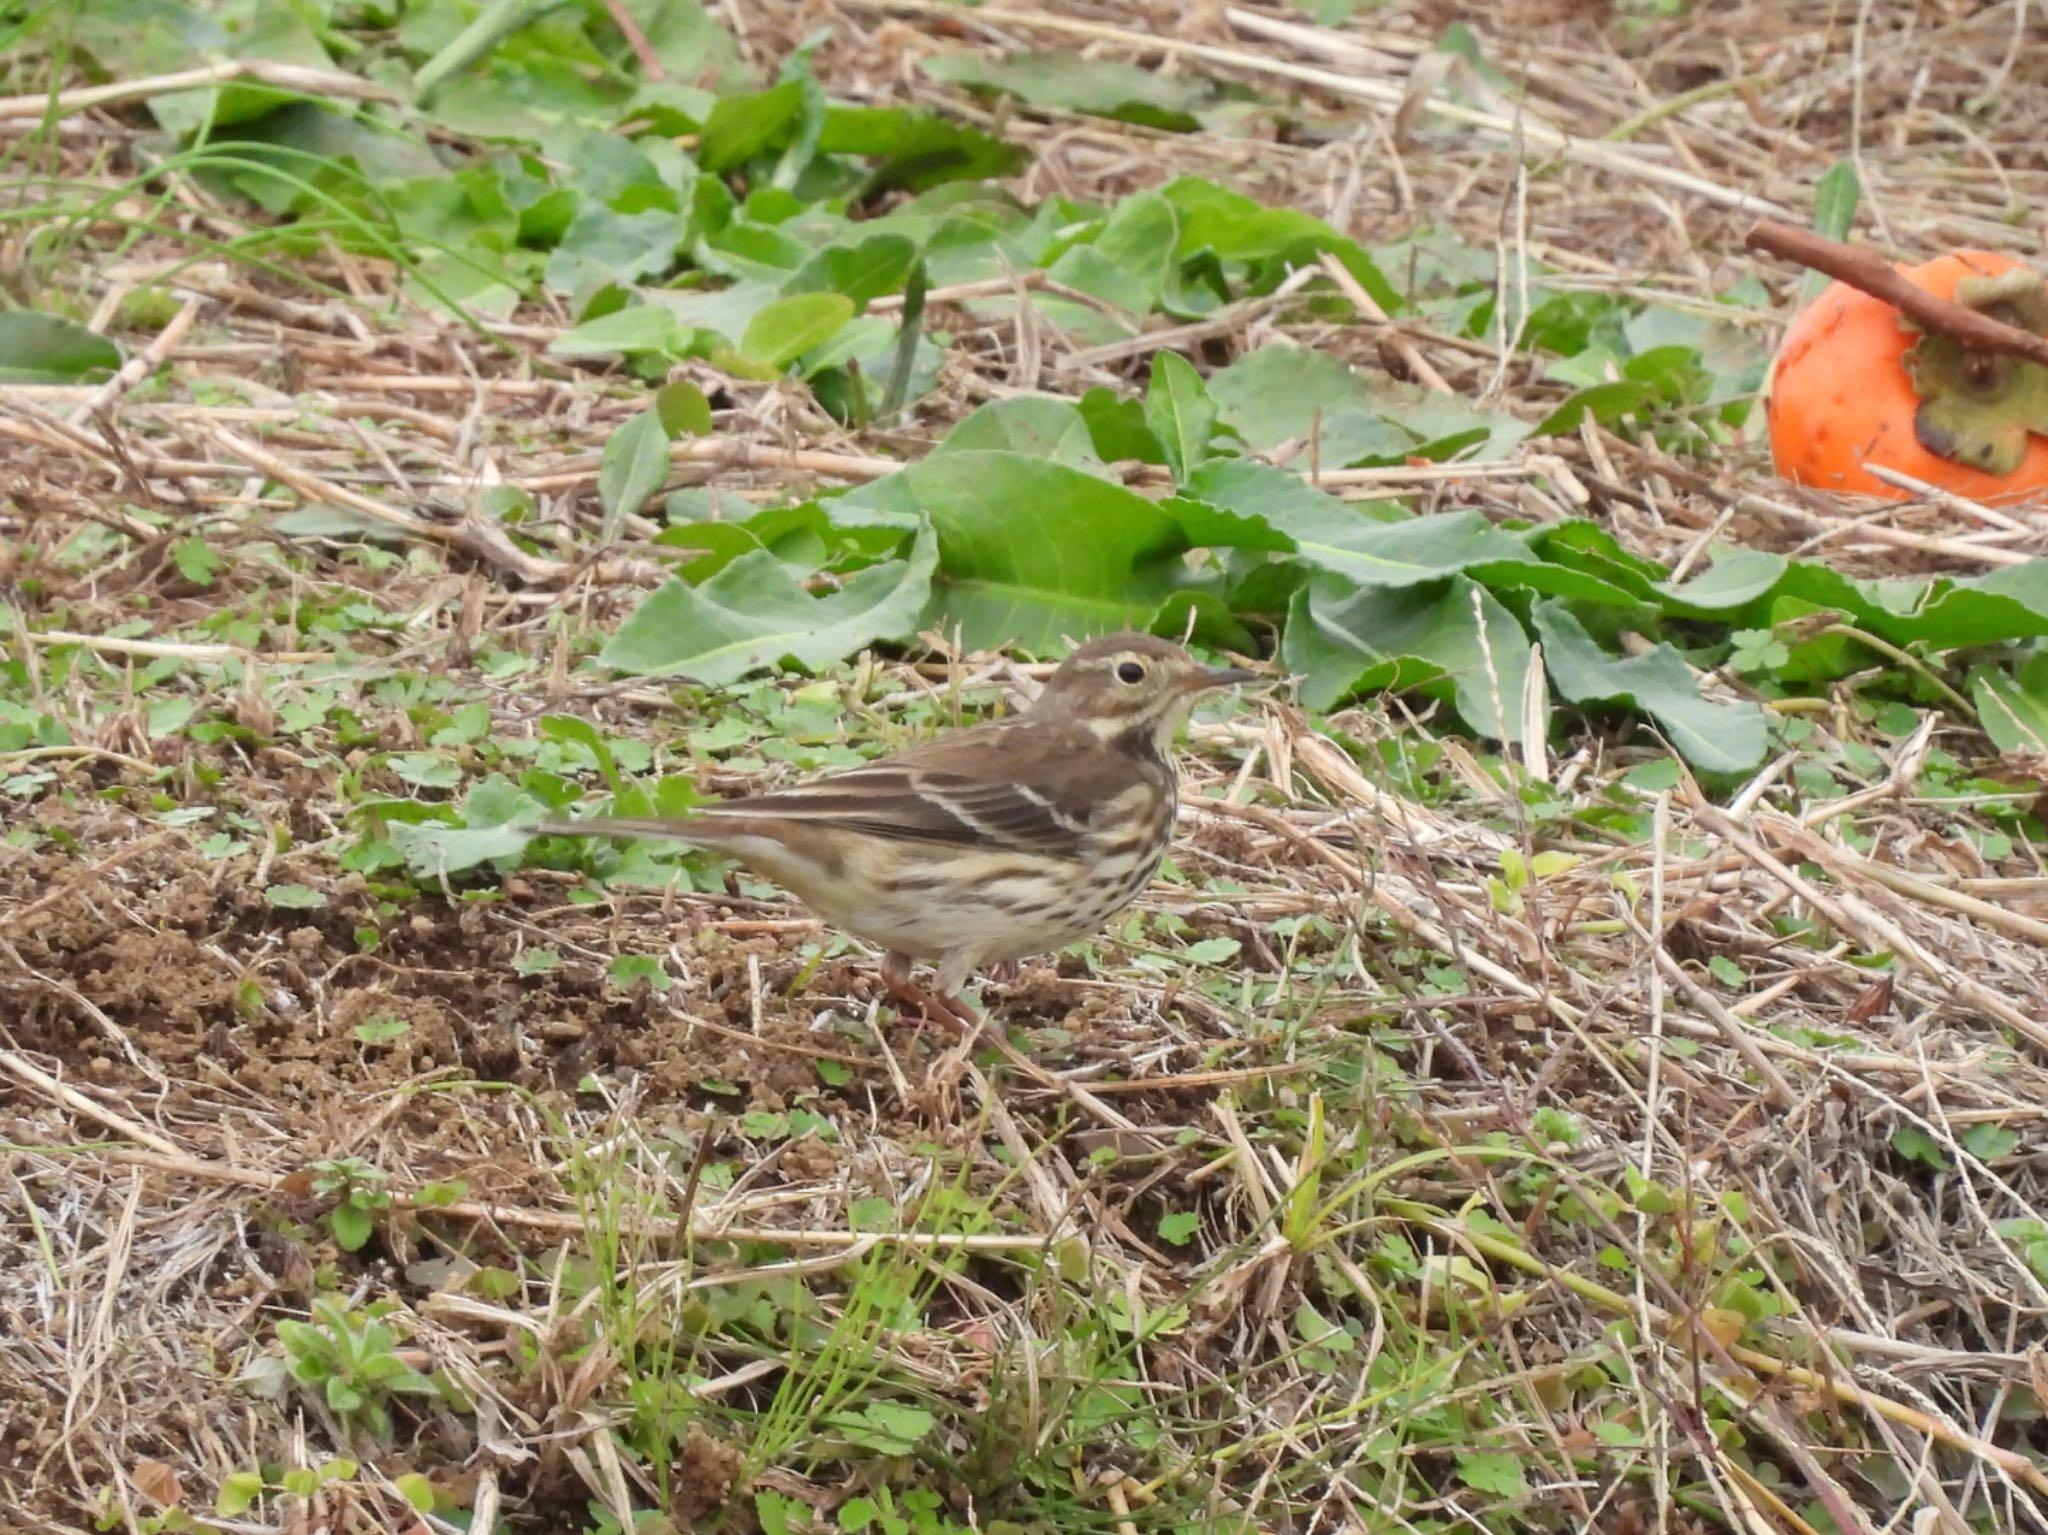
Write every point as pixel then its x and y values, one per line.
pixel 1976 408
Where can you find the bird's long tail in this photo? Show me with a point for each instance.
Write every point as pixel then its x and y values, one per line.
pixel 681 829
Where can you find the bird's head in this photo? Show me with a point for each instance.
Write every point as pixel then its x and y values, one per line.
pixel 1131 690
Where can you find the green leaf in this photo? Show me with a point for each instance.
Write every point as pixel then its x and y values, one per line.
pixel 1180 412
pixel 1346 639
pixel 1127 263
pixel 642 328
pixel 1031 424
pixel 1835 196
pixel 197 561
pixel 2014 715
pixel 1605 403
pixel 302 1481
pixel 416 1490
pixel 1715 737
pixel 864 272
pixel 916 149
pixel 1737 578
pixel 1229 226
pixel 755 612
pixel 602 245
pixel 351 1226
pixel 1180 1227
pixel 1074 82
pixel 627 970
pixel 909 332
pixel 1916 1145
pixel 239 1492
pixel 293 898
pixel 434 849
pixel 791 326
pixel 1493 1471
pixel 635 463
pixel 683 409
pixel 49 349
pixel 742 126
pixel 1032 551
pixel 1118 428
pixel 1988 1142
pixel 1335 536
pixel 1286 395
pixel 888 1428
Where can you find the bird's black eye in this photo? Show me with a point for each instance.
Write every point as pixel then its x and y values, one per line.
pixel 1130 671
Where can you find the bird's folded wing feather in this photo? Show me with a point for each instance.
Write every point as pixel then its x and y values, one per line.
pixel 973 789
pixel 1029 792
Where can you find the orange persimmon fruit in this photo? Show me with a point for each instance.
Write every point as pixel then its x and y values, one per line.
pixel 1842 393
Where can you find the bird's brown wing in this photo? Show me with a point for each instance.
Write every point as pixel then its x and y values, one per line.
pixel 1032 789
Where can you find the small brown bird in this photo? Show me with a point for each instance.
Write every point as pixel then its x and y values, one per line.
pixel 990 843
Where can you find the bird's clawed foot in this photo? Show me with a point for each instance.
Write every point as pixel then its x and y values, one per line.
pixel 941 1086
pixel 929 1007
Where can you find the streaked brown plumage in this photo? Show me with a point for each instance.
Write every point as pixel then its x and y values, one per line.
pixel 987 844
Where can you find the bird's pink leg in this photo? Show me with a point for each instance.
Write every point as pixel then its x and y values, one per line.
pixel 947 1010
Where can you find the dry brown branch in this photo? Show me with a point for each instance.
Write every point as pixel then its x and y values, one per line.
pixel 1870 273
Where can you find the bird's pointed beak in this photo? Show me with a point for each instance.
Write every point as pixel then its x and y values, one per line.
pixel 1219 677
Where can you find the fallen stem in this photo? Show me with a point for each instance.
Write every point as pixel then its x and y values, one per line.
pixel 1868 272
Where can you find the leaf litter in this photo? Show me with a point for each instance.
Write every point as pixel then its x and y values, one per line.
pixel 1595 1152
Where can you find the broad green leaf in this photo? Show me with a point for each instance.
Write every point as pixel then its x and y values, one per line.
pixel 1180 412
pixel 716 544
pixel 1496 1472
pixel 635 463
pixel 689 43
pixel 1346 639
pixel 1127 263
pixel 433 849
pixel 2010 603
pixel 790 327
pixel 49 349
pixel 2014 714
pixel 1715 737
pixel 1117 426
pixel 1606 403
pixel 1208 526
pixel 756 612
pixel 602 245
pixel 876 266
pixel 1032 551
pixel 1074 82
pixel 683 408
pixel 1229 226
pixel 724 312
pixel 1032 424
pixel 1283 393
pixel 1337 537
pixel 742 126
pixel 916 149
pixel 416 1490
pixel 1737 578
pixel 641 328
